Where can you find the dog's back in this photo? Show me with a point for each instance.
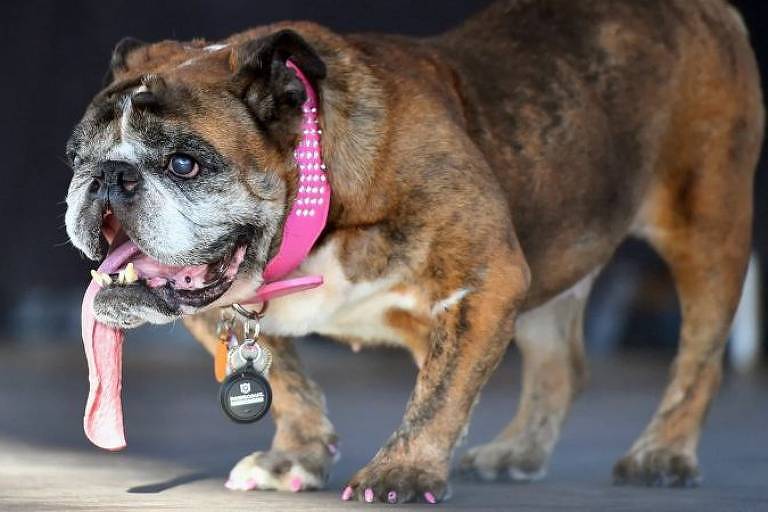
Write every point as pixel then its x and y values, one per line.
pixel 593 113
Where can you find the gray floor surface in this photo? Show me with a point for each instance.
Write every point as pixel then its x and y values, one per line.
pixel 180 447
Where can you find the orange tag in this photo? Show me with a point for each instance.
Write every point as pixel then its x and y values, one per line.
pixel 220 361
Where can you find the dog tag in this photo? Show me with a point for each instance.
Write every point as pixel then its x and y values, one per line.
pixel 250 352
pixel 245 395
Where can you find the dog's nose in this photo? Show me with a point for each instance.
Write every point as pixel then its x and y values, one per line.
pixel 114 180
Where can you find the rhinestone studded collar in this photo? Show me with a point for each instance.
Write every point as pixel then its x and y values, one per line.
pixel 308 215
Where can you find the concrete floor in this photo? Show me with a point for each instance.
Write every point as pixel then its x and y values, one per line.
pixel 180 447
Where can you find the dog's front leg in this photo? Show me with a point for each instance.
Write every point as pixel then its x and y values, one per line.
pixel 305 444
pixel 467 340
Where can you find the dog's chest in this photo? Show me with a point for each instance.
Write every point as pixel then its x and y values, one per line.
pixel 340 308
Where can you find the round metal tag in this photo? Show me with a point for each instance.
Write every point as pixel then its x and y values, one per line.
pixel 245 396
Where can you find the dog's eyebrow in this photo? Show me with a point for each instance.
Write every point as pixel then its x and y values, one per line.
pixel 200 148
pixel 119 88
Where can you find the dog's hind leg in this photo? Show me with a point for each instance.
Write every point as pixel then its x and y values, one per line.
pixel 707 255
pixel 305 444
pixel 550 338
pixel 707 250
pixel 698 216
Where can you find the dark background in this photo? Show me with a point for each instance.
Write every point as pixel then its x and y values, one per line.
pixel 54 56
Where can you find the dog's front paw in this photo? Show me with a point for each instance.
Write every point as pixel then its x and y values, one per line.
pixel 657 467
pixel 282 471
pixel 504 460
pixel 396 483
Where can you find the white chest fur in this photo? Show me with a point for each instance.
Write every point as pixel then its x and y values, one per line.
pixel 340 308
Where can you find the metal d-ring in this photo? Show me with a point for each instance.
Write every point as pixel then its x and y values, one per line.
pixel 251 326
pixel 250 315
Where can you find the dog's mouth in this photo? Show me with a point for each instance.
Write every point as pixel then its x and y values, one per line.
pixel 129 288
pixel 182 288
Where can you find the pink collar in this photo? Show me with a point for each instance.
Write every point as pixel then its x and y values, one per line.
pixel 309 212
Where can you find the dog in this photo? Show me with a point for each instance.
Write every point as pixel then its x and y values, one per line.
pixel 481 178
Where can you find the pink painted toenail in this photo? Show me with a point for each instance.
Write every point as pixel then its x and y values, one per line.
pixel 369 495
pixel 332 448
pixel 230 484
pixel 392 497
pixel 430 497
pixel 347 494
pixel 295 484
pixel 250 484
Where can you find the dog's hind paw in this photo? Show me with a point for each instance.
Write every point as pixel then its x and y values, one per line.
pixel 282 471
pixel 657 467
pixel 503 460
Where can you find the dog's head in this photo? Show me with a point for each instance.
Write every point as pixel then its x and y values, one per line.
pixel 188 154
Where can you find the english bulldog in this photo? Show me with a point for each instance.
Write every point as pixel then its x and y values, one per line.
pixel 480 179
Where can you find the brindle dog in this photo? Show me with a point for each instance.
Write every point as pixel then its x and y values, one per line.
pixel 481 178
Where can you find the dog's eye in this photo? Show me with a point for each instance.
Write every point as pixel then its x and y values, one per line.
pixel 183 166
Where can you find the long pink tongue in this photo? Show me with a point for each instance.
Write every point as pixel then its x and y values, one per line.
pixel 103 420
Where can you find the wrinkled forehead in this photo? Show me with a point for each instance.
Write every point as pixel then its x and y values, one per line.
pixel 193 61
pixel 166 91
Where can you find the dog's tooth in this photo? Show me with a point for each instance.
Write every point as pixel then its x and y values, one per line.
pixel 129 274
pixel 101 278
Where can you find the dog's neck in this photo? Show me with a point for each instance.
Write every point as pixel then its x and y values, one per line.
pixel 307 216
pixel 351 146
pixel 355 137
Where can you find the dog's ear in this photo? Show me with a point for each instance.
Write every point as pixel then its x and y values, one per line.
pixel 272 90
pixel 119 60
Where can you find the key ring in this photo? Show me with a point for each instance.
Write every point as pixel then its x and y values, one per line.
pixel 251 315
pixel 250 345
pixel 251 330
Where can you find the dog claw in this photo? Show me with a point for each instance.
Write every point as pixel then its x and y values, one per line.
pixel 430 498
pixel 347 494
pixel 369 495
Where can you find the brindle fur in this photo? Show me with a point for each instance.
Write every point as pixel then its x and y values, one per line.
pixel 510 157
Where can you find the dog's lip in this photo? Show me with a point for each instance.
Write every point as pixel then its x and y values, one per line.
pixel 180 286
pixel 180 296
